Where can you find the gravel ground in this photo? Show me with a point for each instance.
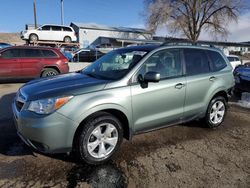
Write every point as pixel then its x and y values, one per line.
pixel 186 155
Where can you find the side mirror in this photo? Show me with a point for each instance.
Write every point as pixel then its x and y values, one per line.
pixel 152 77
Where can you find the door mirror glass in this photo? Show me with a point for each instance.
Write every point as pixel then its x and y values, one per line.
pixel 152 77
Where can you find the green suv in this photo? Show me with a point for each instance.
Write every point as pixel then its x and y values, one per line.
pixel 126 92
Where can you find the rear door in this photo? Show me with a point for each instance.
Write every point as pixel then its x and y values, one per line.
pixel 32 62
pixel 10 66
pixel 57 33
pixel 200 82
pixel 160 103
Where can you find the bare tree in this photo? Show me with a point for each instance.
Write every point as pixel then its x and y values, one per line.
pixel 190 17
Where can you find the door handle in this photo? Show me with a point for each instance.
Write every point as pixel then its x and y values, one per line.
pixel 212 78
pixel 179 85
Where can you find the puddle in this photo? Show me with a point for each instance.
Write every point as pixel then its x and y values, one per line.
pixel 102 176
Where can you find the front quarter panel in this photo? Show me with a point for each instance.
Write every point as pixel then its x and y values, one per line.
pixel 82 106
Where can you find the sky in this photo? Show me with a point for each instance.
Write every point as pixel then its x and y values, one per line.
pixel 14 14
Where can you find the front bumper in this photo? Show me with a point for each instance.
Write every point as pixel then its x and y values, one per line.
pixel 52 133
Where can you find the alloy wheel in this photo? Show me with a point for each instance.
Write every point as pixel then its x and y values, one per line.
pixel 102 140
pixel 217 112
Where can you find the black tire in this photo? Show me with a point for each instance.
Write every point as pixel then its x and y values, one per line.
pixel 87 133
pixel 47 72
pixel 67 39
pixel 208 120
pixel 33 38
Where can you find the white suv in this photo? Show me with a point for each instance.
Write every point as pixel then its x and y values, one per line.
pixel 234 60
pixel 50 33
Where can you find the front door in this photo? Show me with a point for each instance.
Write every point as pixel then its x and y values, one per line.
pixel 9 64
pixel 162 103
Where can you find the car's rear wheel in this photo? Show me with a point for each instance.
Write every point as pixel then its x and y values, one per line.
pixel 47 72
pixel 100 138
pixel 216 112
pixel 33 38
pixel 67 39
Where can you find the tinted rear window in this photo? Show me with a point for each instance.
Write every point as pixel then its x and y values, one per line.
pixel 218 61
pixel 56 28
pixel 196 61
pixel 66 29
pixel 49 53
pixel 30 53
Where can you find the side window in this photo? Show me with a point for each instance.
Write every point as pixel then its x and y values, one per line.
pixel 218 61
pixel 236 59
pixel 56 28
pixel 31 53
pixel 46 28
pixel 166 62
pixel 67 29
pixel 196 61
pixel 49 53
pixel 230 59
pixel 11 53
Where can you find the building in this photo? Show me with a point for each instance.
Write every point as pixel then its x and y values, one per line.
pixel 106 36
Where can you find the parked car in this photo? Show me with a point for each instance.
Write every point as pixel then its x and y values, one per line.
pixel 87 55
pixel 50 33
pixel 31 62
pixel 234 60
pixel 242 79
pixel 4 45
pixel 126 92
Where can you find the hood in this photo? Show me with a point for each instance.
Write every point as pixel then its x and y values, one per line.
pixel 61 85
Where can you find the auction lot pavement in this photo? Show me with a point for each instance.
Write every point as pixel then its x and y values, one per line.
pixel 181 156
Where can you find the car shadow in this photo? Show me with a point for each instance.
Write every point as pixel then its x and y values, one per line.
pixel 105 175
pixel 10 143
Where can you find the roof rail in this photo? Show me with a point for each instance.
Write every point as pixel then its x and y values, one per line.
pixel 188 43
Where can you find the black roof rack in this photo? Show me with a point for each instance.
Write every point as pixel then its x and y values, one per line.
pixel 187 43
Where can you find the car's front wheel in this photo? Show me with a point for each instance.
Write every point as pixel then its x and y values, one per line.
pixel 33 38
pixel 100 138
pixel 216 112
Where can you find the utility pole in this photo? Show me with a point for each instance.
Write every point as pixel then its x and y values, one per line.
pixel 34 6
pixel 62 13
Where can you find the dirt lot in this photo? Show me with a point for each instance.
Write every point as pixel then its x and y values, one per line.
pixel 181 156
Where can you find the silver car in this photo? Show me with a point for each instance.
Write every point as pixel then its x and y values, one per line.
pixel 127 91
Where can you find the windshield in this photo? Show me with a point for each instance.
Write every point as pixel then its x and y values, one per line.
pixel 115 64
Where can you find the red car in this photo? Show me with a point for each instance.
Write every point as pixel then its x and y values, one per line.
pixel 31 62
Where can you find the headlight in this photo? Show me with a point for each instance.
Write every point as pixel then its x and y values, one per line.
pixel 47 106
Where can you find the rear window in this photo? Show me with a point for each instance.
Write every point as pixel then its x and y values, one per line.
pixel 196 61
pixel 67 29
pixel 30 53
pixel 218 62
pixel 56 28
pixel 230 59
pixel 49 53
